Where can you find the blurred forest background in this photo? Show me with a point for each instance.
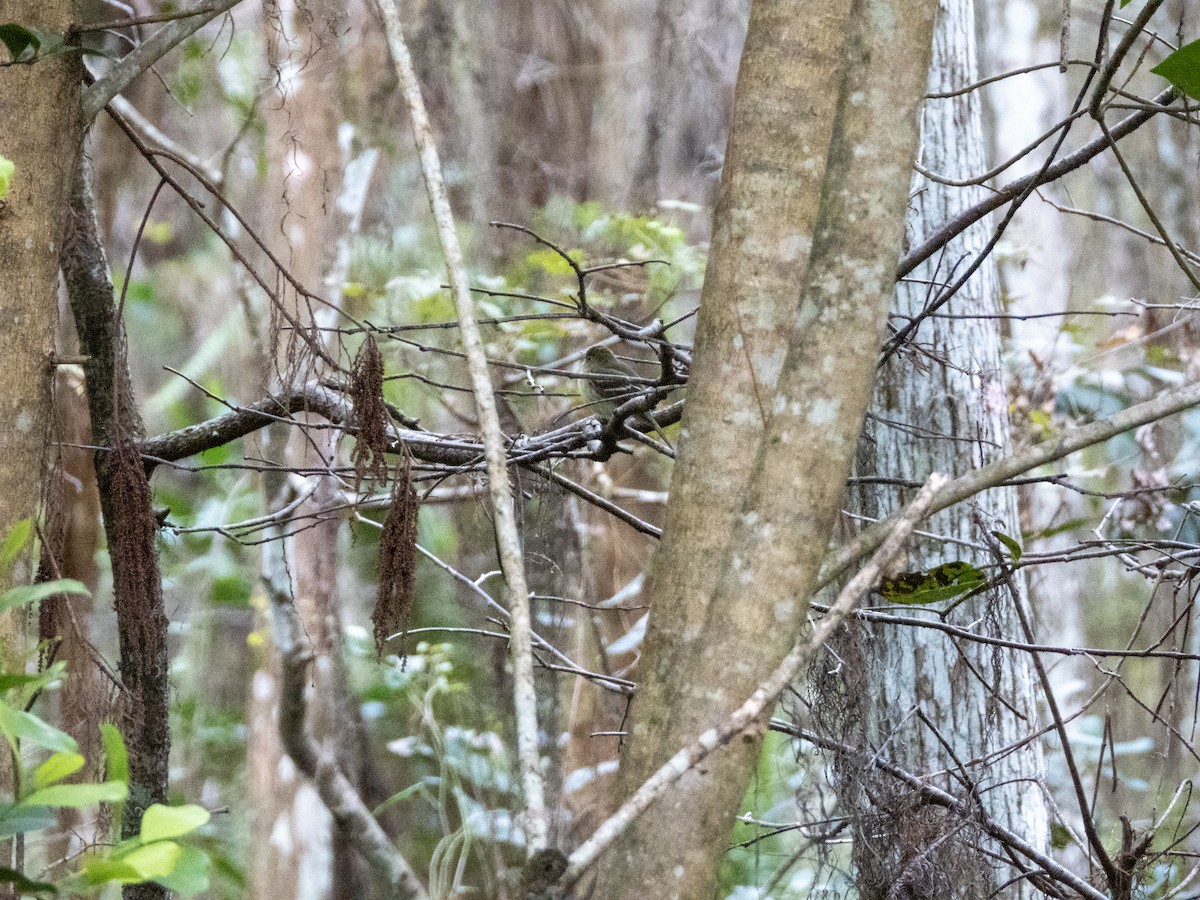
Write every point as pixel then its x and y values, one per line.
pixel 600 127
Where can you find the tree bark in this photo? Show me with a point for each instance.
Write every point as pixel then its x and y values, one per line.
pixel 939 406
pixel 40 105
pixel 129 525
pixel 752 510
pixel 308 856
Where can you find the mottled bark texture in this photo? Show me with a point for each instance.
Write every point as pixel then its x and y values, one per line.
pixel 939 406
pixel 782 373
pixel 129 524
pixel 39 106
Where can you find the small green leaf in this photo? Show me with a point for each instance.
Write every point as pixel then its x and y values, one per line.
pixel 1182 69
pixel 99 870
pixel 24 594
pixel 19 725
pixel 52 676
pixel 115 755
pixel 16 818
pixel 7 167
pixel 155 860
pixel 56 768
pixel 942 582
pixel 9 680
pixel 20 41
pixel 25 885
pixel 18 536
pixel 77 795
pixel 191 873
pixel 1014 549
pixel 231 590
pixel 160 823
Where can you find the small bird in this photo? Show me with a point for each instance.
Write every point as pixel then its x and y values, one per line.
pixel 617 384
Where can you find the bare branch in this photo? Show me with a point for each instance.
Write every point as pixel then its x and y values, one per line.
pixel 1015 189
pixel 997 473
pixel 507 539
pixel 119 77
pixel 929 792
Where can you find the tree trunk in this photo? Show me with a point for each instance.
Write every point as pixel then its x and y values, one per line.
pixel 730 586
pixel 40 105
pixel 307 856
pixel 694 64
pixel 129 524
pixel 940 406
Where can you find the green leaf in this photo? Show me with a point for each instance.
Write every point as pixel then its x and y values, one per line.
pixel 52 676
pixel 56 768
pixel 100 870
pixel 942 582
pixel 77 795
pixel 155 860
pixel 231 590
pixel 10 680
pixel 16 818
pixel 1182 69
pixel 18 725
pixel 160 823
pixel 191 873
pixel 1014 549
pixel 24 594
pixel 115 755
pixel 25 885
pixel 18 536
pixel 19 40
pixel 7 167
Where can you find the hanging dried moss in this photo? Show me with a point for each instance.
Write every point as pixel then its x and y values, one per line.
pixel 397 561
pixel 370 413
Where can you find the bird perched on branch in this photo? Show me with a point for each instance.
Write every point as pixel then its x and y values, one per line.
pixel 615 383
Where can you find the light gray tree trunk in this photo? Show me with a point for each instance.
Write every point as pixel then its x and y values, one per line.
pixel 940 405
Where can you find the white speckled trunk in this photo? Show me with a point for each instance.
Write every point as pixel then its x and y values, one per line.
pixel 942 407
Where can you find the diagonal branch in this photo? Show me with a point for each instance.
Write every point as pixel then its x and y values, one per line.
pixel 133 64
pixel 997 473
pixel 1016 188
pixel 745 716
pixel 1052 868
pixel 345 804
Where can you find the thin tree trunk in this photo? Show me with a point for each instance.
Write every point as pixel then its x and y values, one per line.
pixel 310 858
pixel 39 104
pixel 129 524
